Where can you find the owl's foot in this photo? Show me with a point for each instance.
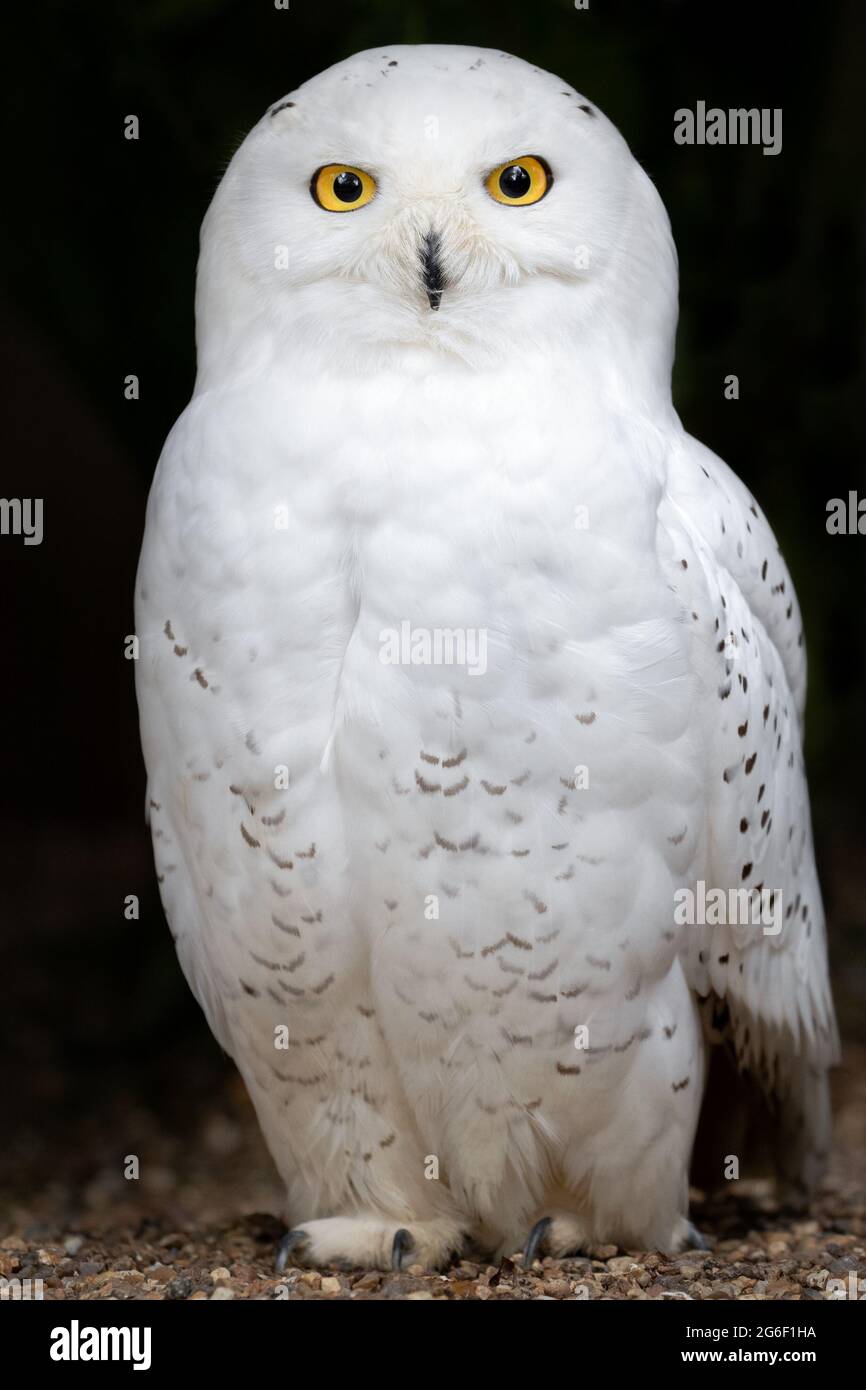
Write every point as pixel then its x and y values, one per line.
pixel 690 1238
pixel 558 1235
pixel 368 1242
pixel 535 1241
pixel 563 1234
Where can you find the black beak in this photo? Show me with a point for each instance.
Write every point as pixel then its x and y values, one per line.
pixel 431 269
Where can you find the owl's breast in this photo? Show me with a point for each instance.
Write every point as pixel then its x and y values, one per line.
pixel 424 681
pixel 515 736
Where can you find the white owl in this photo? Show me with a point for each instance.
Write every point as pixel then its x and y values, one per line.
pixel 464 671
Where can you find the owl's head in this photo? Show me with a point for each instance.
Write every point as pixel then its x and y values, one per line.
pixel 420 202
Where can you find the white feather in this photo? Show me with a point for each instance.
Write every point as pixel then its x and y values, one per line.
pixel 510 465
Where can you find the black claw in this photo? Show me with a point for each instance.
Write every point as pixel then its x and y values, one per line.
pixel 403 1243
pixel 697 1241
pixel 286 1246
pixel 534 1240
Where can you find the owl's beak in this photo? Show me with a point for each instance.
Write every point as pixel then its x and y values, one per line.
pixel 431 269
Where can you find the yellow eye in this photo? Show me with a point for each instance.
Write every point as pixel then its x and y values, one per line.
pixel 340 188
pixel 520 182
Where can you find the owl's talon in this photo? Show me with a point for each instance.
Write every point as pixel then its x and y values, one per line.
pixel 696 1240
pixel 286 1246
pixel 403 1244
pixel 534 1241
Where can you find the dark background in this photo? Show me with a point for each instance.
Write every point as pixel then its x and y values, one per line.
pixel 96 279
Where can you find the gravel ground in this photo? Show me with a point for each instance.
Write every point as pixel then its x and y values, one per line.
pixel 193 1225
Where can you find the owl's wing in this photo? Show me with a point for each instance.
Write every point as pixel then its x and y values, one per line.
pixel 199 881
pixel 177 860
pixel 766 985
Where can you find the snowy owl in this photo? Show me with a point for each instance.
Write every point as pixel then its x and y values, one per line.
pixel 471 686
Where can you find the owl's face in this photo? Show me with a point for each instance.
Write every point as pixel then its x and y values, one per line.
pixel 451 199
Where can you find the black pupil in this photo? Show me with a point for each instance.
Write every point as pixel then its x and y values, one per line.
pixel 515 181
pixel 348 188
